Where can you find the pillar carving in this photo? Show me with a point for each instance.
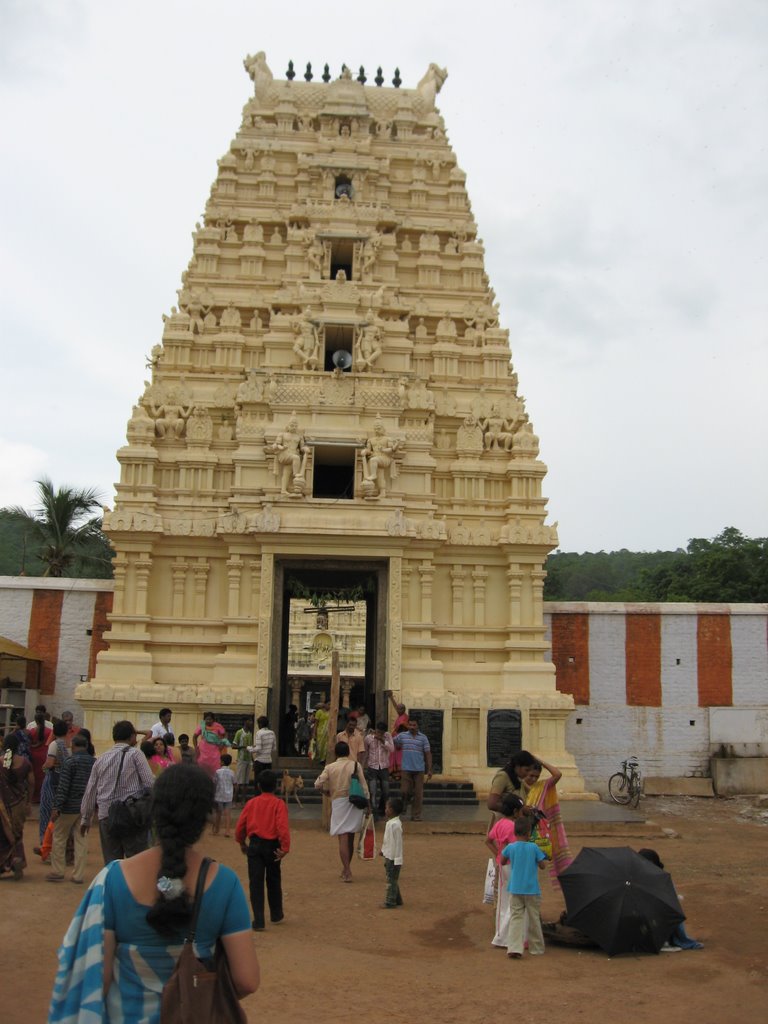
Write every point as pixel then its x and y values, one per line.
pixel 179 570
pixel 142 567
pixel 515 590
pixel 426 576
pixel 234 579
pixel 479 582
pixel 457 594
pixel 200 570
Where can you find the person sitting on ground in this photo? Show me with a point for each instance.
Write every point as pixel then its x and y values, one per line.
pixel 125 938
pixel 679 939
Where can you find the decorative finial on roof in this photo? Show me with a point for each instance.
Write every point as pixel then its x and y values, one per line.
pixel 361 77
pixel 290 74
pixel 326 74
pixel 379 79
pixel 397 80
pixel 308 73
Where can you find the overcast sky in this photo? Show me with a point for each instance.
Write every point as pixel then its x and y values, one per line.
pixel 616 162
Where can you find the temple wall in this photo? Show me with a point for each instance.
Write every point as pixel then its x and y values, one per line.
pixel 652 701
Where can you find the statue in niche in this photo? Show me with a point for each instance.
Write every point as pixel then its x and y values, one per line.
pixel 315 257
pixel 431 83
pixel 277 237
pixel 196 310
pixel 200 425
pixel 446 328
pixel 368 345
pixel 170 411
pixel 251 390
pixel 420 333
pixel 384 129
pixel 497 432
pixel 370 253
pixel 225 431
pixel 381 453
pixel 266 521
pixel 259 71
pixel 525 439
pixel 406 245
pixel 270 390
pixel 256 324
pixel 210 323
pixel 429 242
pixel 253 233
pixel 230 234
pixel 250 160
pixel 451 246
pixel 290 459
pixel 469 436
pixel 230 317
pixel 307 345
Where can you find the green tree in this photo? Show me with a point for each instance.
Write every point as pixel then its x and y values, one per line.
pixel 61 533
pixel 729 568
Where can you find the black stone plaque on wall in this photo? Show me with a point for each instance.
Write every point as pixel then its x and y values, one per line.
pixel 232 721
pixel 505 736
pixel 431 724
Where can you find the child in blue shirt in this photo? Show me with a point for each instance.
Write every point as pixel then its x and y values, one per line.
pixel 524 892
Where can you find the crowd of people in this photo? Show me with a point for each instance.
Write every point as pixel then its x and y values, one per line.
pixel 151 796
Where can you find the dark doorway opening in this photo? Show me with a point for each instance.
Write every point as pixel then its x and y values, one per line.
pixel 322 606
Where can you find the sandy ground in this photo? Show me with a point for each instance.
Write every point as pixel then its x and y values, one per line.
pixel 337 955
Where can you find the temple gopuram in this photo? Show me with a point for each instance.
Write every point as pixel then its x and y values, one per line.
pixel 333 429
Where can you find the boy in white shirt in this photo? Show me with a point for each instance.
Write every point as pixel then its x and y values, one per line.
pixel 392 852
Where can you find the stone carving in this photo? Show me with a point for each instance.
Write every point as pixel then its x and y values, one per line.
pixel 140 426
pixel 232 522
pixel 526 441
pixel 259 71
pixel 446 329
pixel 290 459
pixel 230 318
pixel 199 426
pixel 469 437
pixel 368 344
pixel 381 453
pixel 430 85
pixel 169 406
pixel 420 333
pixel 251 390
pixel 307 345
pixel 530 533
pixel 249 428
pixel 497 432
pixel 266 521
pixel 253 232
pixel 225 431
pixel 418 396
pixel 370 254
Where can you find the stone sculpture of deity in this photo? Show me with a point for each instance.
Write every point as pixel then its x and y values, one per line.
pixel 290 459
pixel 497 432
pixel 380 454
pixel 307 345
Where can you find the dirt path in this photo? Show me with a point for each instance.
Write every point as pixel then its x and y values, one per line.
pixel 337 955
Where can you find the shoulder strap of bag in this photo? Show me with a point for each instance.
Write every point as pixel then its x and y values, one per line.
pixel 119 769
pixel 199 889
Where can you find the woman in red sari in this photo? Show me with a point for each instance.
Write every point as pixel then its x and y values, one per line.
pixel 399 725
pixel 39 740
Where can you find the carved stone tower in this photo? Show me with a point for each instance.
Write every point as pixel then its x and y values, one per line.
pixel 333 402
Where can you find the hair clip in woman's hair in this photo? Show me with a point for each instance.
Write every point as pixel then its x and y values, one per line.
pixel 170 888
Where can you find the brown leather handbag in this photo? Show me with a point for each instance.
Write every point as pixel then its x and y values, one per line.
pixel 201 990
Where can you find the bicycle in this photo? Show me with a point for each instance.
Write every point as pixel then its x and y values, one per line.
pixel 626 786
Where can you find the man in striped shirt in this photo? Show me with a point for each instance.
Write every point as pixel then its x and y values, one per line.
pixel 70 790
pixel 417 759
pixel 379 747
pixel 118 774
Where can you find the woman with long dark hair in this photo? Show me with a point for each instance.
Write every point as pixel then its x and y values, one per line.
pixel 138 911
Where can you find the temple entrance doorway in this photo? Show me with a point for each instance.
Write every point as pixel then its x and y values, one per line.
pixel 322 606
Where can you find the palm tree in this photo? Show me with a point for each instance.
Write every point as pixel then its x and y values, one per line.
pixel 63 527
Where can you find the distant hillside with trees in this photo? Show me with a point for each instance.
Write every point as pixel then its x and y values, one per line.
pixel 730 568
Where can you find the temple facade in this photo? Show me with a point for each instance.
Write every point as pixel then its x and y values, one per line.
pixel 333 417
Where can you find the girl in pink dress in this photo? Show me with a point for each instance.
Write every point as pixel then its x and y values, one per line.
pixel 210 742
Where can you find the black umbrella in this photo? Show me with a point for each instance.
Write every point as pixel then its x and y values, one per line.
pixel 620 900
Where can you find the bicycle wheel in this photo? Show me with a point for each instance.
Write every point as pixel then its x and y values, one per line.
pixel 619 789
